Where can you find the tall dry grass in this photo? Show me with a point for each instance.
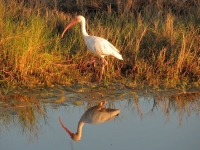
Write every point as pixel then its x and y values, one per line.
pixel 159 42
pixel 23 112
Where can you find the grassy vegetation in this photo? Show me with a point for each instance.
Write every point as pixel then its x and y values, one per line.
pixel 21 111
pixel 169 103
pixel 158 40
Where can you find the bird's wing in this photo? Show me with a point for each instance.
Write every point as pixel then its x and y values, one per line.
pixel 105 114
pixel 99 46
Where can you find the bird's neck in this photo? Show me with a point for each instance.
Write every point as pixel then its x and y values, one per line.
pixel 79 130
pixel 83 28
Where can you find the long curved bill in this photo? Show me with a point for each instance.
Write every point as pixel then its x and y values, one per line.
pixel 66 129
pixel 71 24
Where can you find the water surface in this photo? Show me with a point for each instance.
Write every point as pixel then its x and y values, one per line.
pixel 167 119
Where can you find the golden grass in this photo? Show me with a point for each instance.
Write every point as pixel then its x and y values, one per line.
pixel 23 111
pixel 158 41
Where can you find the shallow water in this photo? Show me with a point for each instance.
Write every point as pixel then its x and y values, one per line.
pixel 148 120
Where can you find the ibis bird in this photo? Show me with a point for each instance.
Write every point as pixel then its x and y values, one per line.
pixel 94 115
pixel 96 45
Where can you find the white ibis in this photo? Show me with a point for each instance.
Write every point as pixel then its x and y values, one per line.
pixel 94 115
pixel 96 45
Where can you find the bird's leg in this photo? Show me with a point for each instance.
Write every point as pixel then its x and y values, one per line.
pixel 101 73
pixel 93 61
pixel 102 103
pixel 104 63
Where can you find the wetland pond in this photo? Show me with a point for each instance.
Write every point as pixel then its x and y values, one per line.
pixel 146 120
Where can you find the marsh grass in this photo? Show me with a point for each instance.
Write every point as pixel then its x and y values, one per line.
pixel 22 111
pixel 159 42
pixel 181 103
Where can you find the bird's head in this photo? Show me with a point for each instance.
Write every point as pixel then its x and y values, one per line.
pixel 79 18
pixel 76 20
pixel 75 137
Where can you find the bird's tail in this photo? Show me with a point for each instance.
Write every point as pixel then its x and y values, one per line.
pixel 117 55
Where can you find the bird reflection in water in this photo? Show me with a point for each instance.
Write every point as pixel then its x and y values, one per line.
pixel 94 115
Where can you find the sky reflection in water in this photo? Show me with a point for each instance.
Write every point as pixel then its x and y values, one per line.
pixel 144 123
